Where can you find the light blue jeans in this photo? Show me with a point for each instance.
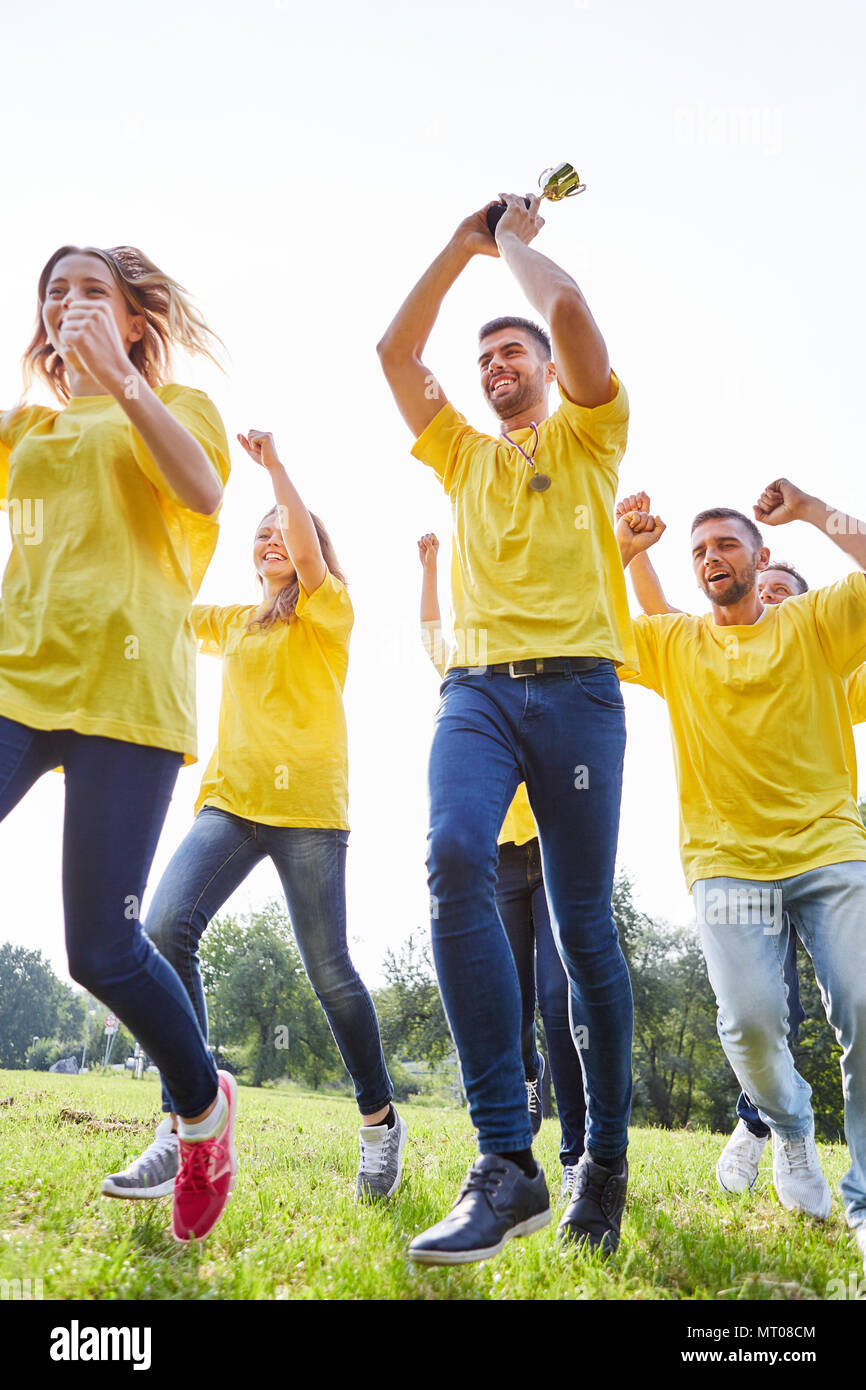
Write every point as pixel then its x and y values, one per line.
pixel 744 928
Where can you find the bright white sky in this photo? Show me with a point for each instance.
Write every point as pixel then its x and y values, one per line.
pixel 298 166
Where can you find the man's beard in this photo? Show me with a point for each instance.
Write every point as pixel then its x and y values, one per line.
pixel 515 402
pixel 741 587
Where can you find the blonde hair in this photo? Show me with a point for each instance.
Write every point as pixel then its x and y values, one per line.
pixel 283 605
pixel 171 319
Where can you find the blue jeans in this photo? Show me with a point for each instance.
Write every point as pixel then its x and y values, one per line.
pixel 522 905
pixel 746 1111
pixel 745 953
pixel 117 795
pixel 564 735
pixel 211 862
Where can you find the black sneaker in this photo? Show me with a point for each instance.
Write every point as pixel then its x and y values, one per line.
pixel 594 1214
pixel 497 1201
pixel 533 1097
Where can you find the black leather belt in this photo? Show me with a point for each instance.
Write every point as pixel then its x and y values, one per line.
pixel 546 665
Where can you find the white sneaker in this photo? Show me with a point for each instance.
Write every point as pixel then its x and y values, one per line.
pixel 737 1168
pixel 860 1236
pixel 381 1160
pixel 797 1176
pixel 152 1174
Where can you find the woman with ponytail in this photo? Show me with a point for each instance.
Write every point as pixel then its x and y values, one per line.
pixel 276 787
pixel 113 502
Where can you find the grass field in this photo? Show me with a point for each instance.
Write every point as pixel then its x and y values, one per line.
pixel 292 1230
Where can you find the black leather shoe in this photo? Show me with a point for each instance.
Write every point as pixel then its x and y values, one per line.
pixel 497 1201
pixel 594 1214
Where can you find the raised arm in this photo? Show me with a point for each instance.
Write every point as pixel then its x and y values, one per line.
pixel 94 344
pixel 645 582
pixel 431 621
pixel 418 395
pixel 296 524
pixel 635 533
pixel 579 350
pixel 428 552
pixel 783 501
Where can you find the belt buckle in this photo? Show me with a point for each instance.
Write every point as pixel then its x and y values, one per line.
pixel 524 675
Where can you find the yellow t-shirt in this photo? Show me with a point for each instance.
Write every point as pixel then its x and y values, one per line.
pixel 534 573
pixel 761 731
pixel 281 755
pixel 94 614
pixel 519 824
pixel 855 692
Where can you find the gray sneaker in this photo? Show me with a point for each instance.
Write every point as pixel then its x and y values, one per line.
pixel 150 1175
pixel 569 1176
pixel 381 1160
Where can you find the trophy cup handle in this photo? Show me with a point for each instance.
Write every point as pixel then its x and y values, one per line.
pixel 554 195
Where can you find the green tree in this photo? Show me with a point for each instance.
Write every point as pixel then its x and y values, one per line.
pixel 259 996
pixel 675 1041
pixel 411 1017
pixel 33 1003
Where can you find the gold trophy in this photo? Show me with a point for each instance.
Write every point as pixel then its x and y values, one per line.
pixel 562 181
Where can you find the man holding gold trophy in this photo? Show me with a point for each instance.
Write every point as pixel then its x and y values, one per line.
pixel 541 623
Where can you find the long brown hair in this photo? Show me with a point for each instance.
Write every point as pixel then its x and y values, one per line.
pixel 171 319
pixel 284 603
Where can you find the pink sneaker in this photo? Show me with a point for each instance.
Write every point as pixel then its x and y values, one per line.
pixel 206 1173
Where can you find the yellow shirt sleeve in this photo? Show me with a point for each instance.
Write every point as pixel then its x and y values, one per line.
pixel 327 609
pixel 447 446
pixel 6 444
pixel 14 424
pixel 855 690
pixel 209 626
pixel 198 414
pixel 646 637
pixel 840 619
pixel 436 648
pixel 602 430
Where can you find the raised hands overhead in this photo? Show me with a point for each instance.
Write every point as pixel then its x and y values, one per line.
pixel 428 550
pixel 637 529
pixel 261 448
pixel 781 501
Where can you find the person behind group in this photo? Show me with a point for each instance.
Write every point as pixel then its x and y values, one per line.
pixel 277 787
pixel 771 836
pixel 113 503
pixel 522 906
pixel 739 1162
pixel 531 695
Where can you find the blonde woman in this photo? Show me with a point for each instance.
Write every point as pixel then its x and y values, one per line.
pixel 112 500
pixel 276 787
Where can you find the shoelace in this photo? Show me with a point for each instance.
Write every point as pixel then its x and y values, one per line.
pixel 796 1154
pixel 533 1095
pixel 741 1166
pixel 569 1175
pixel 373 1155
pixel 198 1163
pixel 484 1180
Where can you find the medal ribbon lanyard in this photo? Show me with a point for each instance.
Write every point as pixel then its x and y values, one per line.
pixel 539 482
